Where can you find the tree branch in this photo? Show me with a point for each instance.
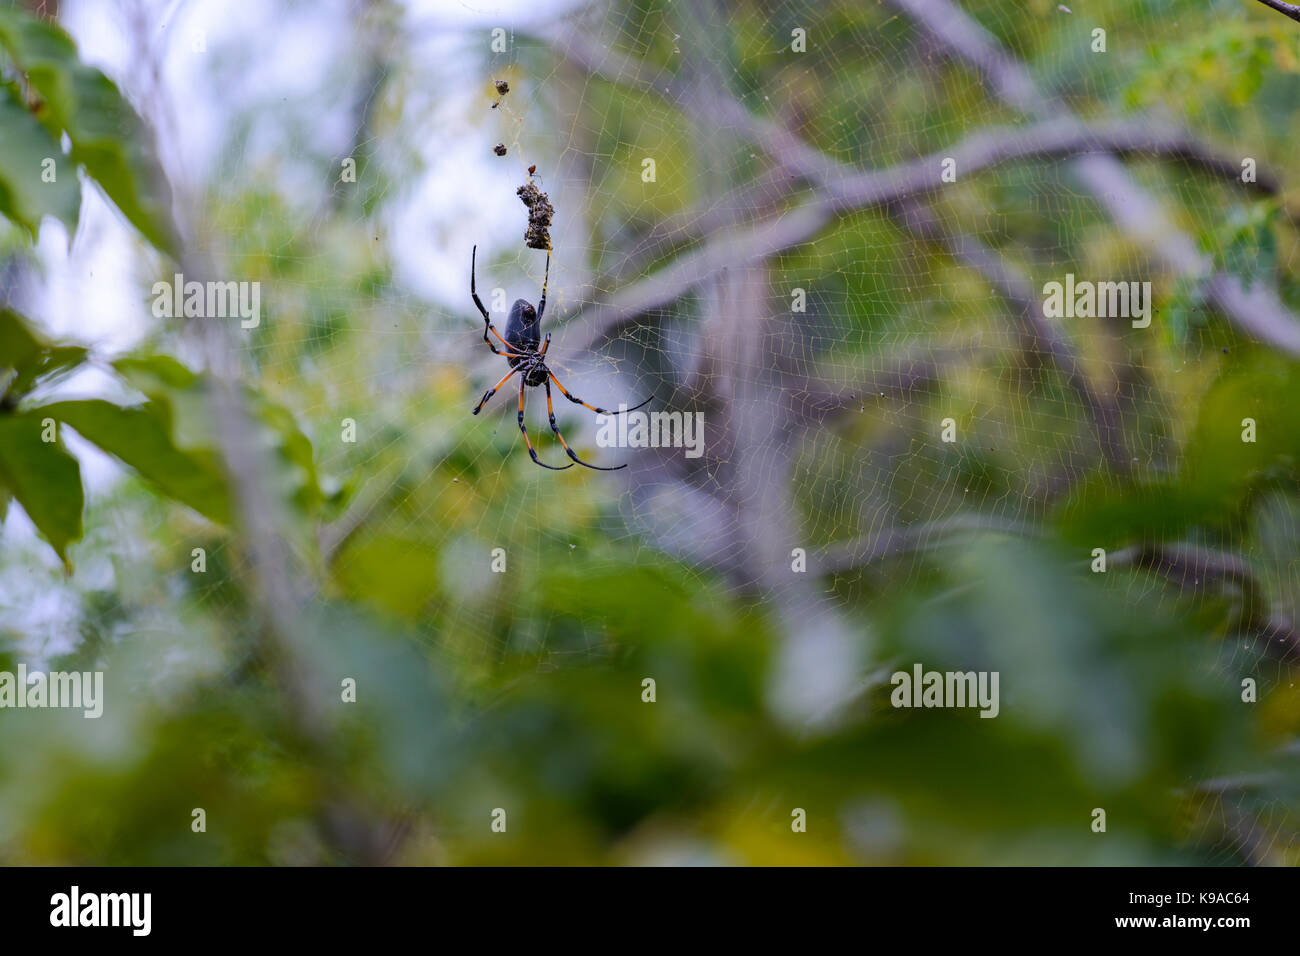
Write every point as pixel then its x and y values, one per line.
pixel 845 188
pixel 1039 334
pixel 1190 567
pixel 908 539
pixel 1258 310
pixel 812 401
pixel 848 187
pixel 1286 9
pixel 734 249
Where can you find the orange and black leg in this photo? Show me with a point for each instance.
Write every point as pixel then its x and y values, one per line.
pixel 528 441
pixel 493 390
pixel 510 352
pixel 550 411
pixel 487 319
pixel 595 408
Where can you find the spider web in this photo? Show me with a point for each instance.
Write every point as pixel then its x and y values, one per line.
pixel 831 414
pixel 822 427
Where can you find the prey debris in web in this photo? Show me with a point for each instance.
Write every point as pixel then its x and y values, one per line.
pixel 499 149
pixel 540 214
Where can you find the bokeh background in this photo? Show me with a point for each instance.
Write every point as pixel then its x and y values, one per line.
pixel 826 538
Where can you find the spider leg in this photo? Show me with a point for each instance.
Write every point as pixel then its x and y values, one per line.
pixel 472 291
pixel 511 351
pixel 492 391
pixel 550 410
pixel 595 408
pixel 487 319
pixel 528 441
pixel 541 303
pixel 545 345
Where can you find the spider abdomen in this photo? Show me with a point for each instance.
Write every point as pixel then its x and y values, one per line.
pixel 523 331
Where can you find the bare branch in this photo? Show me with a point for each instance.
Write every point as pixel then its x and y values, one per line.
pixel 1065 136
pixel 1286 9
pixel 734 250
pixel 1191 567
pixel 1040 335
pixel 765 192
pixel 849 187
pixel 1258 311
pixel 845 188
pixel 812 401
pixel 909 539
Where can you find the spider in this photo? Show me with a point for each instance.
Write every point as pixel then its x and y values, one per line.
pixel 521 341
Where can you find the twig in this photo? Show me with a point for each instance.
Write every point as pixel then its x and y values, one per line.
pixel 1286 9
pixel 908 539
pixel 1190 566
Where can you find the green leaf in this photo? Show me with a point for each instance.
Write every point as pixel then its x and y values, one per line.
pixel 19 343
pixel 165 380
pixel 1218 472
pixel 395 574
pixel 142 438
pixel 108 138
pixel 44 479
pixel 33 359
pixel 1217 460
pixel 25 196
pixel 154 374
pixel 295 456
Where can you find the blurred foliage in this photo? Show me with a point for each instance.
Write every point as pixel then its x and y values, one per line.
pixel 523 691
pixel 105 136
